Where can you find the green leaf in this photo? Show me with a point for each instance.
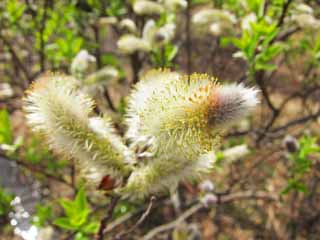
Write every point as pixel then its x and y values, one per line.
pixel 68 207
pixel 64 223
pixel 81 200
pixel 80 236
pixel 79 218
pixel 91 227
pixel 6 136
pixel 43 214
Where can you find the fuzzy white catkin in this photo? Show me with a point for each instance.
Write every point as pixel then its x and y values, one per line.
pixel 129 25
pixel 173 5
pixel 306 21
pixel 185 120
pixel 129 44
pixel 145 7
pixel 81 64
pixel 247 21
pixel 215 21
pixel 55 108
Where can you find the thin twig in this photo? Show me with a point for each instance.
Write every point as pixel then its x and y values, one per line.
pixel 188 40
pixel 197 207
pixel 37 169
pixel 107 218
pixel 141 219
pixel 16 58
pixel 284 11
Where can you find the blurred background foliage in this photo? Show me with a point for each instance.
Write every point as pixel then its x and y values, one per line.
pixel 266 179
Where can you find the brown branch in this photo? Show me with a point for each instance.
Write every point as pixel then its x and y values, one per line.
pixel 136 66
pixel 141 219
pixel 37 169
pixel 107 218
pixel 16 58
pixel 284 11
pixel 41 32
pixel 188 39
pixel 199 206
pixel 297 122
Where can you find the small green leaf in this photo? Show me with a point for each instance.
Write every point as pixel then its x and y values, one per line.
pixel 91 227
pixel 6 136
pixel 64 223
pixel 81 199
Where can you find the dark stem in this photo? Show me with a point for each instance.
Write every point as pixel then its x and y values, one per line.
pixel 139 222
pixel 284 12
pixel 16 58
pixel 41 31
pixel 107 218
pixel 36 168
pixel 188 40
pixel 136 66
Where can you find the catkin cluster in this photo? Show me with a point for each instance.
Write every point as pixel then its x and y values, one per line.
pixel 174 123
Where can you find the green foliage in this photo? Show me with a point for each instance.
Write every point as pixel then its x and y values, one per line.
pixel 256 6
pixel 116 8
pixel 256 46
pixel 110 59
pixel 36 153
pixel 5 200
pixel 14 10
pixel 122 208
pixel 6 136
pixel 301 164
pixel 77 216
pixel 43 216
pixel 163 57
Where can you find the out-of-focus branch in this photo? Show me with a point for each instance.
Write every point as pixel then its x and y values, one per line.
pixel 199 206
pixel 284 11
pixel 16 58
pixel 42 54
pixel 141 219
pixel 107 218
pixel 38 169
pixel 188 38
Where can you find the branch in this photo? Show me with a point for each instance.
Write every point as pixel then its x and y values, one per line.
pixel 173 224
pixel 284 11
pixel 188 40
pixel 297 122
pixel 199 206
pixel 37 169
pixel 142 218
pixel 107 218
pixel 16 58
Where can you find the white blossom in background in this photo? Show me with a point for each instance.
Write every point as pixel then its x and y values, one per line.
pixel 5 91
pixel 303 16
pixel 206 186
pixel 291 144
pixel 235 153
pixel 102 76
pixel 145 7
pixel 129 44
pixel 164 34
pixel 216 21
pixel 104 21
pixel 247 21
pixel 174 5
pixel 303 8
pixel 81 64
pixel 128 25
pixel 152 36
pixel 306 21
